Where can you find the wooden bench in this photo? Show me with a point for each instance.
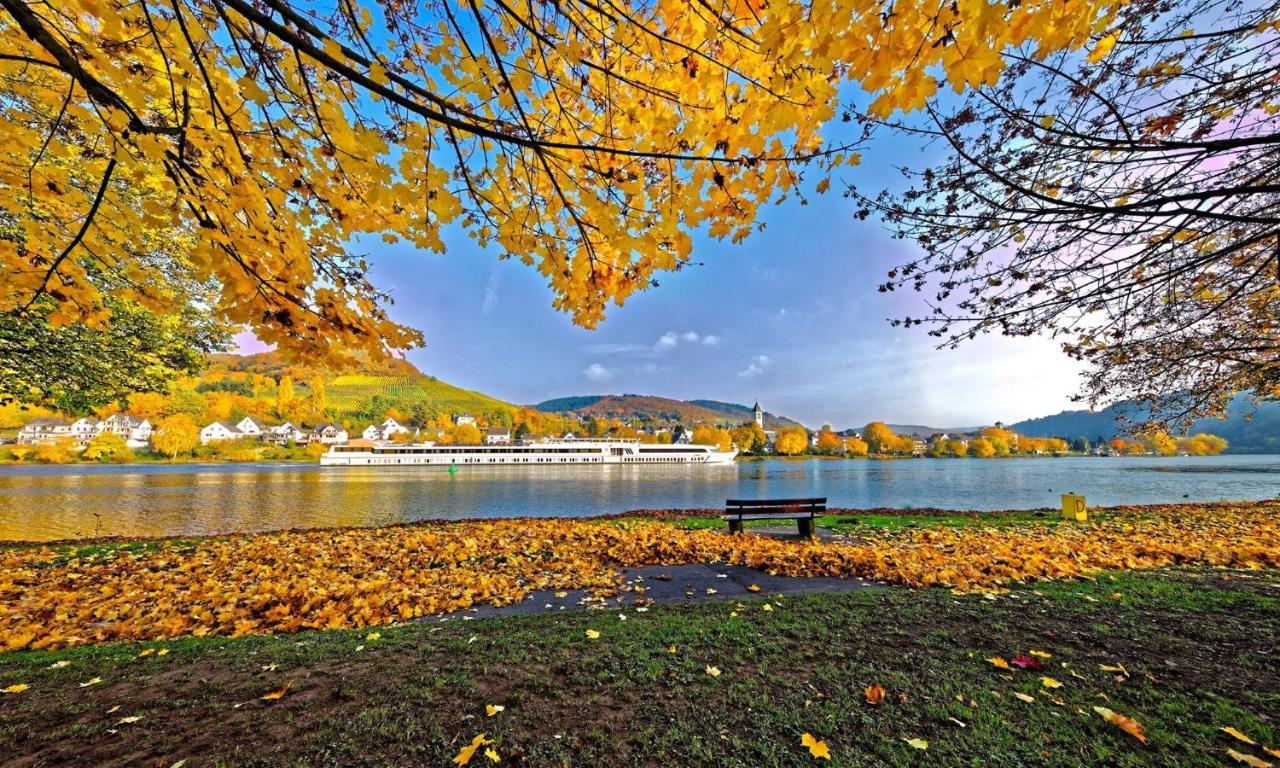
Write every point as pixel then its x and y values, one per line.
pixel 801 510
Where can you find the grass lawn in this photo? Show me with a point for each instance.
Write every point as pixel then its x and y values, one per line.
pixel 1199 647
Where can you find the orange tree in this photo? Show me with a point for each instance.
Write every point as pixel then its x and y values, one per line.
pixel 589 140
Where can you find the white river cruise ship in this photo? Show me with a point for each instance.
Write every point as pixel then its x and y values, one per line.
pixel 559 452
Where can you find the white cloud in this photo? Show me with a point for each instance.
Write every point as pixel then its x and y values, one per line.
pixel 757 366
pixel 490 293
pixel 673 339
pixel 598 373
pixel 668 340
pixel 710 340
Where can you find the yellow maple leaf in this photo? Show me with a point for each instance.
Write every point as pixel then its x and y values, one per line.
pixel 1249 760
pixel 713 671
pixel 1049 682
pixel 492 754
pixel 917 743
pixel 593 634
pixel 88 683
pixel 279 693
pixel 816 747
pixel 1238 735
pixel 469 751
pixel 493 709
pixel 1041 654
pixel 1126 724
pixel 753 587
pixel 1024 697
pixel 999 662
pixel 15 688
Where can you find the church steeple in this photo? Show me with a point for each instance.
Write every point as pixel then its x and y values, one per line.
pixel 759 414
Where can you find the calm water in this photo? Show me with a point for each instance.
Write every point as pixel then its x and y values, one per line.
pixel 52 502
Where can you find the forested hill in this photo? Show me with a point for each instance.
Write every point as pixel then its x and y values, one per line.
pixel 653 408
pixel 1259 434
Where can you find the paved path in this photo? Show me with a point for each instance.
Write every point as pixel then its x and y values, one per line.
pixel 673 584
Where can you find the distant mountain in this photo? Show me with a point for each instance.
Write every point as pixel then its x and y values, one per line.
pixel 653 408
pixel 1247 428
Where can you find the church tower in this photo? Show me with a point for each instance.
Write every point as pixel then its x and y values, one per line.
pixel 759 414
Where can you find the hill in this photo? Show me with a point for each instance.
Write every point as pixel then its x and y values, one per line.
pixel 361 395
pixel 1247 428
pixel 652 408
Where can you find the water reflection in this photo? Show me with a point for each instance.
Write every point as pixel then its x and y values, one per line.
pixel 40 503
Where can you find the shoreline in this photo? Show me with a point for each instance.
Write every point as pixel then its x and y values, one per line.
pixel 677 514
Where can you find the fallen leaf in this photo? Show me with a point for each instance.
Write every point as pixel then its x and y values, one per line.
pixel 130 719
pixel 162 652
pixel 94 681
pixel 766 607
pixel 816 747
pixel 493 709
pixel 1049 682
pixel 1126 724
pixel 15 688
pixel 1272 752
pixel 875 694
pixel 60 664
pixel 113 710
pixel 958 722
pixel 147 652
pixel 373 637
pixel 593 634
pixel 753 587
pixel 999 662
pixel 1238 735
pixel 179 764
pixel 1249 760
pixel 1024 697
pixel 466 753
pixel 1022 661
pixel 917 743
pixel 1114 668
pixel 710 591
pixel 713 671
pixel 671 649
pixel 1041 654
pixel 492 754
pixel 278 693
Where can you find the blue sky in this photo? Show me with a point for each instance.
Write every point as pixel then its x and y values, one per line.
pixel 790 317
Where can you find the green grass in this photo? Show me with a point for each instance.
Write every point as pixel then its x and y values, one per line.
pixel 1199 647
pixel 346 394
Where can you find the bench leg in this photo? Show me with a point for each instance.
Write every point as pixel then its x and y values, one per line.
pixel 735 526
pixel 806 527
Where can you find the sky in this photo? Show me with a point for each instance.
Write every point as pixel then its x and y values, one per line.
pixel 790 317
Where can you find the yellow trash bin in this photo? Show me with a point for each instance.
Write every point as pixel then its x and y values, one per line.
pixel 1074 508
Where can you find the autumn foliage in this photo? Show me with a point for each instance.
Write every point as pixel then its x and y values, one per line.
pixel 285 582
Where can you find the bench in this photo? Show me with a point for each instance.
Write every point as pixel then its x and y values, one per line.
pixel 801 510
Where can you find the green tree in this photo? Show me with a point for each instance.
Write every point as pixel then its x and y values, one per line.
pixel 107 446
pixel 175 434
pixel 76 368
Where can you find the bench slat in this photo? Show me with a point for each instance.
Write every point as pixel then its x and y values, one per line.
pixel 774 512
pixel 769 516
pixel 774 502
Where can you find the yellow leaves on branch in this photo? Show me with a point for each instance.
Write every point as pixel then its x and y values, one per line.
pixel 589 143
pixel 286 582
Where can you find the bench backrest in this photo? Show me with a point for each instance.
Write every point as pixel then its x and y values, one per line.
pixel 776 505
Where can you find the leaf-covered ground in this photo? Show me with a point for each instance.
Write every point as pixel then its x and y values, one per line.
pixel 1198 650
pixel 52 597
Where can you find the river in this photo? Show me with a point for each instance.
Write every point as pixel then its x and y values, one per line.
pixel 71 501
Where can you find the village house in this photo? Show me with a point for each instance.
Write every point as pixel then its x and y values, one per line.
pixel 85 429
pixel 284 433
pixel 384 431
pixel 135 431
pixel 497 436
pixel 218 431
pixel 251 426
pixel 328 434
pixel 465 418
pixel 44 430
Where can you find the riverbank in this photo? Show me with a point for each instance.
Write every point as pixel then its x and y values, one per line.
pixel 1185 653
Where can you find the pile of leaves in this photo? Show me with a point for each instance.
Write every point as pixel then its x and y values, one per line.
pixel 285 582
